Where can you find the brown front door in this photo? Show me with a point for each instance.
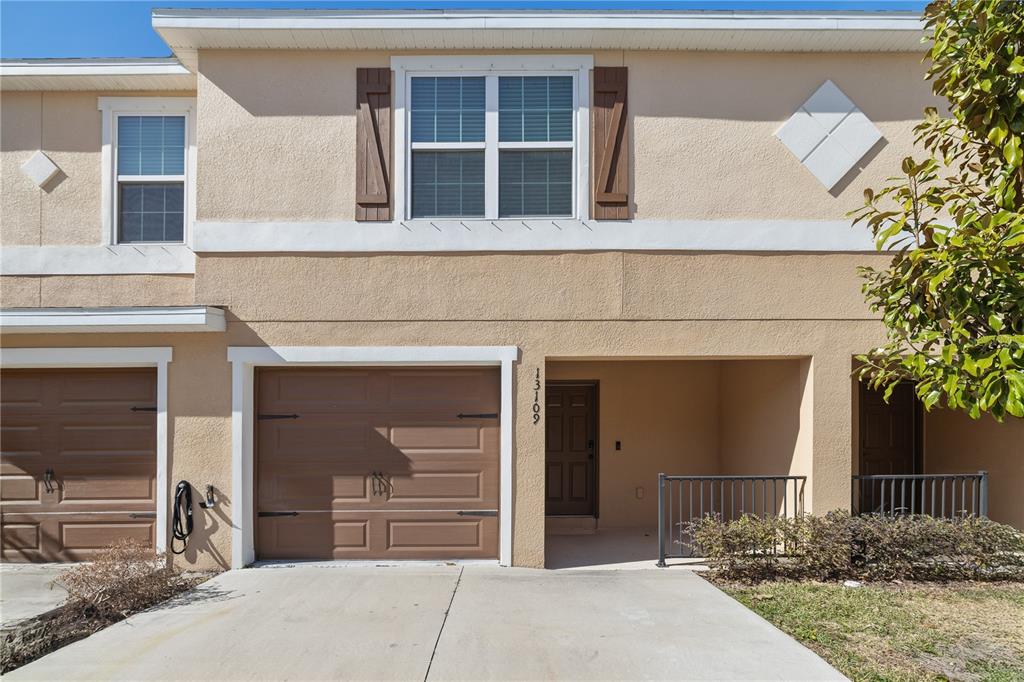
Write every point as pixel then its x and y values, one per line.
pixel 377 463
pixel 890 437
pixel 571 449
pixel 77 461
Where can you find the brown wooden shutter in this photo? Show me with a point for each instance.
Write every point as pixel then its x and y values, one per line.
pixel 610 143
pixel 373 144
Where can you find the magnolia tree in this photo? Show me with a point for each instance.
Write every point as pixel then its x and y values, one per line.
pixel 952 299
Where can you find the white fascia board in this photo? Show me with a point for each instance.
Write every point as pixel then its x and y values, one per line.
pixel 667 20
pixel 108 320
pixel 96 74
pixel 372 355
pixel 118 259
pixel 87 67
pixel 532 235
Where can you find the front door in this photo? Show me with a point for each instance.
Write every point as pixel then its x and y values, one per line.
pixel 571 449
pixel 890 439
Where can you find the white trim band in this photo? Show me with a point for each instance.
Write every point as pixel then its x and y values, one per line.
pixel 532 235
pixel 72 320
pixel 120 259
pixel 245 359
pixel 158 357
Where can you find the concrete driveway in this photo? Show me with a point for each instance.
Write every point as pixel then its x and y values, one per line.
pixel 440 623
pixel 27 590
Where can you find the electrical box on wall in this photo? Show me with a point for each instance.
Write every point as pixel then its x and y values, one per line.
pixel 640 492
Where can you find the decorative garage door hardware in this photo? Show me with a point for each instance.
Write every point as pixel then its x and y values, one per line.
pixel 277 416
pixel 479 415
pixel 48 481
pixel 380 485
pixel 143 409
pixel 142 515
pixel 277 513
pixel 480 512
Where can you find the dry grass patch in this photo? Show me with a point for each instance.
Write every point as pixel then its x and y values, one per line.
pixel 955 631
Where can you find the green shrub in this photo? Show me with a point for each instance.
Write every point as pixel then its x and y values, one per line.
pixel 839 546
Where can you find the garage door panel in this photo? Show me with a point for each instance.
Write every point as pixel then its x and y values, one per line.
pixel 317 438
pixel 79 425
pixel 433 390
pixel 313 491
pixel 105 436
pixel 314 536
pixel 19 437
pixel 404 425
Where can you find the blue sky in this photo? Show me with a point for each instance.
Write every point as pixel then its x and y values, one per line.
pixel 44 28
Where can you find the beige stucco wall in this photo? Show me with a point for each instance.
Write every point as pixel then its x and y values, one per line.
pixel 71 291
pixel 66 126
pixel 665 414
pixel 691 417
pixel 954 444
pixel 277 131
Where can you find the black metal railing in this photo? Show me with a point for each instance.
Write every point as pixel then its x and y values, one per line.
pixel 682 499
pixel 941 495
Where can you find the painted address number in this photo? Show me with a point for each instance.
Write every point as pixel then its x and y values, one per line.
pixel 536 398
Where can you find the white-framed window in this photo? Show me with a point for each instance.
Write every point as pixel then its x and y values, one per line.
pixel 148 162
pixel 503 137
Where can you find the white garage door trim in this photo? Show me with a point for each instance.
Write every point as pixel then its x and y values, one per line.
pixel 159 357
pixel 245 359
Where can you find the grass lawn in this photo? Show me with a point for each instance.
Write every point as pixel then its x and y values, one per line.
pixel 901 632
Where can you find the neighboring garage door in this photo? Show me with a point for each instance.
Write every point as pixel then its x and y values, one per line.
pixel 377 463
pixel 77 461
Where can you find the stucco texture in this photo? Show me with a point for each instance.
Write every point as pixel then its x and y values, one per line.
pixel 955 444
pixel 696 417
pixel 66 126
pixel 277 131
pixel 73 291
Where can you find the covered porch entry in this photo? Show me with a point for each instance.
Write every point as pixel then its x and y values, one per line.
pixel 612 425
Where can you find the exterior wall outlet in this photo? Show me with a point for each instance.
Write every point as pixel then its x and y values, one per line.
pixel 640 492
pixel 39 168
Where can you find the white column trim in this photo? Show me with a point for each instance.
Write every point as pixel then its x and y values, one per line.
pixel 158 357
pixel 245 359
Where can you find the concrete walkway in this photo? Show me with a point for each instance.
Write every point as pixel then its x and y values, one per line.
pixel 440 623
pixel 27 590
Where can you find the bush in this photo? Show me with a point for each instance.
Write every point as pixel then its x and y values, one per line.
pixel 839 546
pixel 124 578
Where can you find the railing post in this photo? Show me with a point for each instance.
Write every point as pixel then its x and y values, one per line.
pixel 983 503
pixel 661 520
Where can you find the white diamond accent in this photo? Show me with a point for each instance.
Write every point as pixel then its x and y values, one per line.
pixel 39 168
pixel 829 134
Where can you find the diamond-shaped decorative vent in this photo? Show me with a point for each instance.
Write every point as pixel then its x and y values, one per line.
pixel 829 134
pixel 39 168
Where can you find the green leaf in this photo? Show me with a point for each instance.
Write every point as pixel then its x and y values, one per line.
pixel 1016 66
pixel 995 322
pixel 1011 151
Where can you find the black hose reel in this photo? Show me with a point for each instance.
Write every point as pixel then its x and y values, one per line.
pixel 181 520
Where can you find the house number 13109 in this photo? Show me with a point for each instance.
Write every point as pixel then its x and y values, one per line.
pixel 536 398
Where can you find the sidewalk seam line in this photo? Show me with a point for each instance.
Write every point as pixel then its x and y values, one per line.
pixel 443 621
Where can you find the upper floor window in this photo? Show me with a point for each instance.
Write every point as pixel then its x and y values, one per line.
pixel 151 178
pixel 492 143
pixel 148 150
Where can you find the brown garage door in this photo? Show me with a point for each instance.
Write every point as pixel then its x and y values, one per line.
pixel 77 461
pixel 377 463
